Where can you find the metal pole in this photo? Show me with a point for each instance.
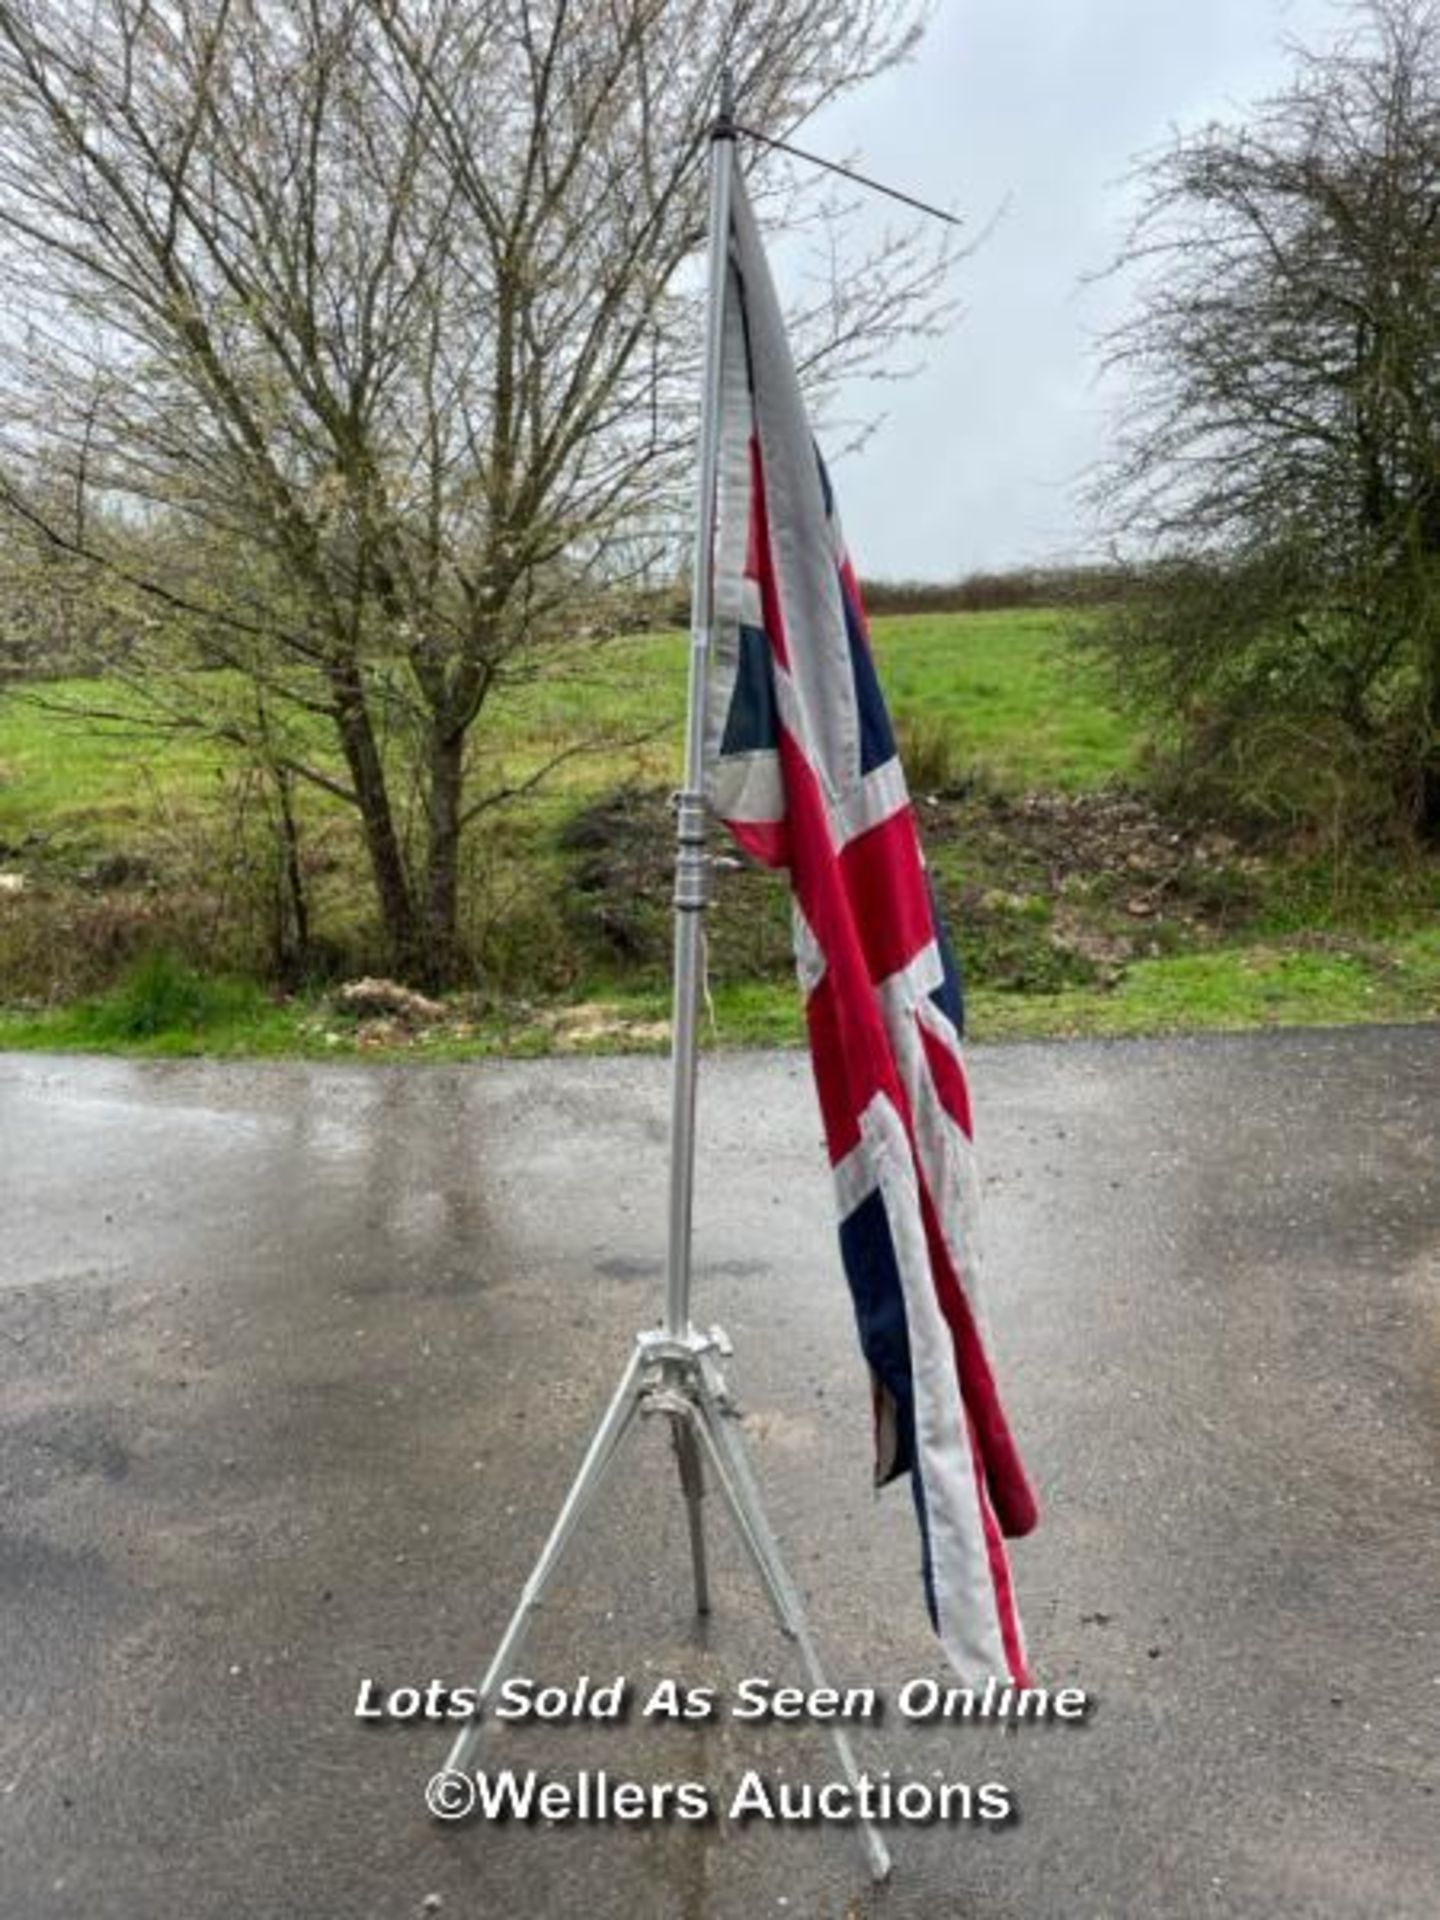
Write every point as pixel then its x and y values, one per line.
pixel 691 862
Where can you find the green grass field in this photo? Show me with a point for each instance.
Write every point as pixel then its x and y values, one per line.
pixel 1076 910
pixel 994 682
pixel 997 684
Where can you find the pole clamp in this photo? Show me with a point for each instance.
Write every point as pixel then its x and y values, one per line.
pixel 692 863
pixel 689 817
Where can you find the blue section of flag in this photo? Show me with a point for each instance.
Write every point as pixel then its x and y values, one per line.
pixel 877 738
pixel 874 1277
pixel 949 996
pixel 751 725
pixel 825 487
pixel 927 1564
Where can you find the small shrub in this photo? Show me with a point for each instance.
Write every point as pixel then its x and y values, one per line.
pixel 160 994
pixel 929 754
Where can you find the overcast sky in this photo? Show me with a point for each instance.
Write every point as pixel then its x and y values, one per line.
pixel 1044 102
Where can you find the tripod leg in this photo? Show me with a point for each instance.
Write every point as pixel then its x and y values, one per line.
pixel 733 1471
pixel 601 1452
pixel 709 1425
pixel 692 1484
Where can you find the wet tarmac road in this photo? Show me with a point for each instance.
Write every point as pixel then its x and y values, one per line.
pixel 296 1363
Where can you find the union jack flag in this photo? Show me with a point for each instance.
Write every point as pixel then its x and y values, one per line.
pixel 802 768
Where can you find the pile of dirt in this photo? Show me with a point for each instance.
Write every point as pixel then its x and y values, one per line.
pixel 1042 890
pixel 1054 889
pixel 386 1013
pixel 1114 832
pixel 373 998
pixel 622 849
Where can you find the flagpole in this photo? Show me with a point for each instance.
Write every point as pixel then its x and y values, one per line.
pixel 692 865
pixel 675 1371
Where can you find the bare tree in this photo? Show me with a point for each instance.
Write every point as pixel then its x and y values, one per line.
pixel 362 329
pixel 1280 430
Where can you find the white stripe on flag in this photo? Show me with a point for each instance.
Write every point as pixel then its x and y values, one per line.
pixel 969 1619
pixel 880 794
pixel 854 1178
pixel 946 1152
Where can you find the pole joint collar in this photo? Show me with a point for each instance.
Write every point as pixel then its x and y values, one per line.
pixel 689 818
pixel 723 126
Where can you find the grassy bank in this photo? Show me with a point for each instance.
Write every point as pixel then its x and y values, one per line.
pixel 134 880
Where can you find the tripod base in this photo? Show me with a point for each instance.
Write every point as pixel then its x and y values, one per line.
pixel 681 1380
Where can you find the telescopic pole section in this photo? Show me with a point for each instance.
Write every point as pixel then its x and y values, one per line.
pixel 692 871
